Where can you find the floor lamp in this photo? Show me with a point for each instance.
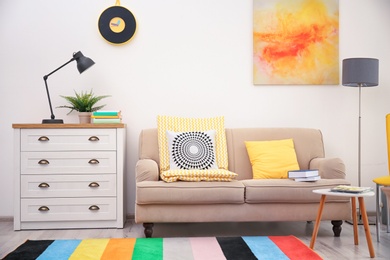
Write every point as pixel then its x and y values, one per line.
pixel 360 72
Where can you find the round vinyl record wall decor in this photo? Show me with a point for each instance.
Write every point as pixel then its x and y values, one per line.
pixel 117 24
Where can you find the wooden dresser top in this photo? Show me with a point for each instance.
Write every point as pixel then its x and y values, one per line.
pixel 52 126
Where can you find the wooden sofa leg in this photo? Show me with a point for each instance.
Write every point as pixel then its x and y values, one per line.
pixel 148 229
pixel 337 227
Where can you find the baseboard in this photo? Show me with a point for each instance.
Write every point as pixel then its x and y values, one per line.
pixel 130 217
pixel 369 214
pixel 6 219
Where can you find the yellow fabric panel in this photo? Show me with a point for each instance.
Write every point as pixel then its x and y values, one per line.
pixel 197 175
pixel 182 124
pixel 272 159
pixel 384 180
pixel 89 249
pixel 388 139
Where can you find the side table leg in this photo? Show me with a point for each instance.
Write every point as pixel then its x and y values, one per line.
pixel 355 221
pixel 366 226
pixel 318 220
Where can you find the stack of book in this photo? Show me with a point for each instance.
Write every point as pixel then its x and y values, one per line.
pixel 106 117
pixel 304 175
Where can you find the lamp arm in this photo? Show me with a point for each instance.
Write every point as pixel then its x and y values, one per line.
pixel 48 97
pixel 47 88
pixel 46 76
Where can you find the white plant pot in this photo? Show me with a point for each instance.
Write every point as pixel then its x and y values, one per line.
pixel 85 117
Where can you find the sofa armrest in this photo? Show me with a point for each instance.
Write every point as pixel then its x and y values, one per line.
pixel 146 170
pixel 329 168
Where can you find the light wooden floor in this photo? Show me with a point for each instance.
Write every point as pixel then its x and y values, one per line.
pixel 327 246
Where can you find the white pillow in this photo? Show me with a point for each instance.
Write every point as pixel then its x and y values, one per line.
pixel 192 150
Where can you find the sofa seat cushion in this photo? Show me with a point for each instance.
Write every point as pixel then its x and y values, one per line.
pixel 289 191
pixel 160 192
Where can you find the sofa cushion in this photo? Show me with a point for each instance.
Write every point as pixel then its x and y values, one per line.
pixel 159 192
pixel 289 191
pixel 272 159
pixel 192 150
pixel 180 124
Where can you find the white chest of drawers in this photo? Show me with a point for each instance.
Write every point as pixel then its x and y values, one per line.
pixel 69 176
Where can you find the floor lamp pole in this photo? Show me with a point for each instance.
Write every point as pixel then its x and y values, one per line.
pixel 359 146
pixel 360 85
pixel 360 138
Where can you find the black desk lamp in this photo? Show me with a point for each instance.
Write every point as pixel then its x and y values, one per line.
pixel 83 63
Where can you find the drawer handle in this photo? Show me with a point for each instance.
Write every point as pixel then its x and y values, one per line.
pixel 93 139
pixel 93 161
pixel 93 207
pixel 43 139
pixel 43 208
pixel 43 185
pixel 43 162
pixel 94 185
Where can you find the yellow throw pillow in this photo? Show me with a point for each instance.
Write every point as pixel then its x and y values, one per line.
pixel 272 159
pixel 198 175
pixel 182 124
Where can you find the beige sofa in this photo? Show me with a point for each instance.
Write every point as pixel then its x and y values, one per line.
pixel 244 199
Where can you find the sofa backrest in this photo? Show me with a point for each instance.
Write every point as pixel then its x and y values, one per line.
pixel 307 142
pixel 308 145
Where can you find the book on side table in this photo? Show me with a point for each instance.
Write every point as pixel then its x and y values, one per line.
pixel 350 189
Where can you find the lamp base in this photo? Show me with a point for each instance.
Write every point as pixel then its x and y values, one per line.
pixel 52 121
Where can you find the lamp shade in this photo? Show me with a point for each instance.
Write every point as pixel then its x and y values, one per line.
pixel 360 72
pixel 83 63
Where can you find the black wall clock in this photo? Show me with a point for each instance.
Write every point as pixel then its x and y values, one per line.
pixel 117 25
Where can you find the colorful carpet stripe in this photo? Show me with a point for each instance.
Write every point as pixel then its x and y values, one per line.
pixel 191 248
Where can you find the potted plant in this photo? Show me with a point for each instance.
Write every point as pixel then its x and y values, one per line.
pixel 84 103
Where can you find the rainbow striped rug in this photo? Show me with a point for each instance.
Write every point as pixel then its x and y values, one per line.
pixel 191 248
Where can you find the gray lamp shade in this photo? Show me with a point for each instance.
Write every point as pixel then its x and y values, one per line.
pixel 360 72
pixel 83 63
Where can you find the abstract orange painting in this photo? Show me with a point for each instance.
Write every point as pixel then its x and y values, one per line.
pixel 296 42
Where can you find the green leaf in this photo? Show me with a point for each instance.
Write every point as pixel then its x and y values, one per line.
pixel 83 102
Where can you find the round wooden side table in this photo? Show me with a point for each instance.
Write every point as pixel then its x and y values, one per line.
pixel 363 212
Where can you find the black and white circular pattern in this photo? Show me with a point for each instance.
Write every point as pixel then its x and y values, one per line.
pixel 193 150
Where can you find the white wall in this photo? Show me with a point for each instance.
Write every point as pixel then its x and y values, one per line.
pixel 188 58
